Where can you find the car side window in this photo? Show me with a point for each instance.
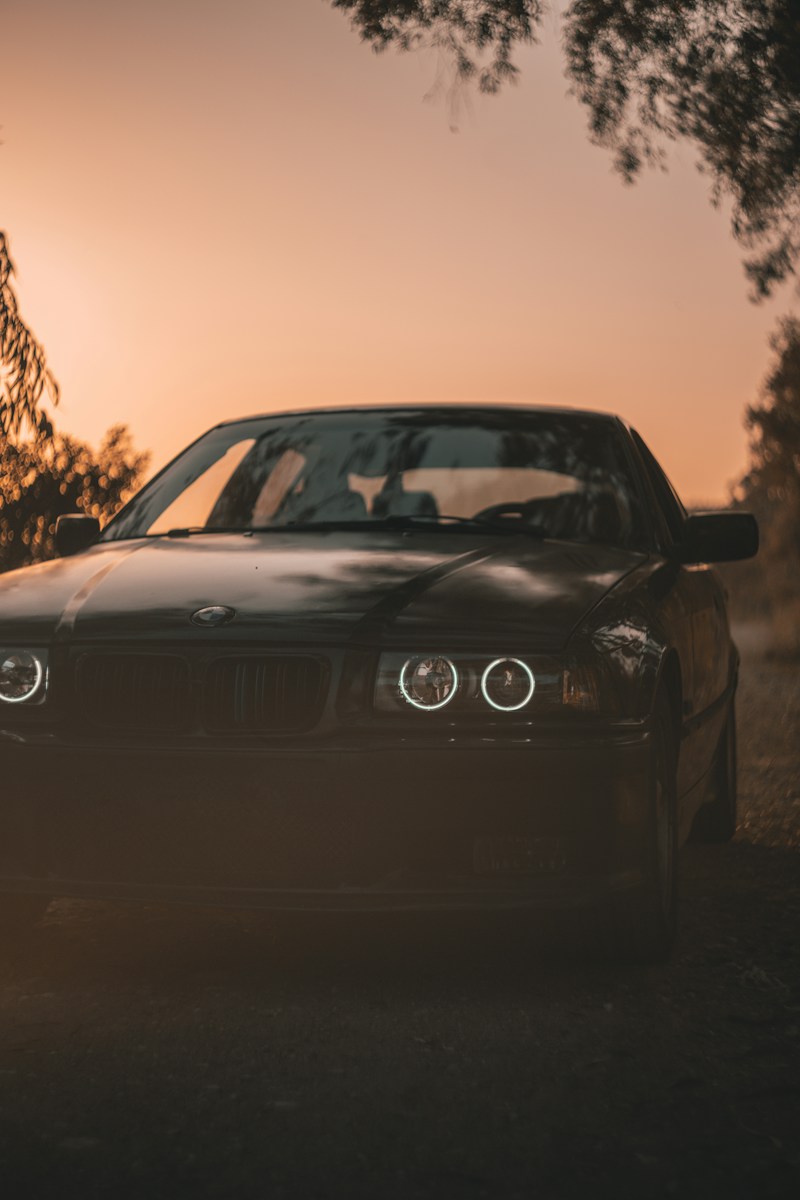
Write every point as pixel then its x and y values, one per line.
pixel 668 501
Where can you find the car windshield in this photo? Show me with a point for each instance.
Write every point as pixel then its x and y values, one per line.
pixel 551 474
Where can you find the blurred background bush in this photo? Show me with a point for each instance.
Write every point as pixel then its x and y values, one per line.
pixel 44 473
pixel 767 588
pixel 42 478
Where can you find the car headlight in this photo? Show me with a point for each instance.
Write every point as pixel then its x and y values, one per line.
pixel 589 687
pixel 428 683
pixel 23 676
pixel 460 685
pixel 508 684
pixel 491 687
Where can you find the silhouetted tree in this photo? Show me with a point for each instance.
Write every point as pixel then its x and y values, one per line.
pixel 771 487
pixel 722 73
pixel 774 424
pixel 39 480
pixel 24 374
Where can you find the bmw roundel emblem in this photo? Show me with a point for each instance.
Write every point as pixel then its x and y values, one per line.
pixel 215 614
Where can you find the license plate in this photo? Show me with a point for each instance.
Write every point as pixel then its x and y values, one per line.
pixel 517 854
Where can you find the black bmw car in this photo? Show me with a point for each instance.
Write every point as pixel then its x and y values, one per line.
pixel 418 657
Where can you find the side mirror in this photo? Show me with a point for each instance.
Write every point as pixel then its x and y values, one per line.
pixel 710 537
pixel 75 532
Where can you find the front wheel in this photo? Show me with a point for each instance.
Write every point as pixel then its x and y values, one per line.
pixel 716 821
pixel 643 921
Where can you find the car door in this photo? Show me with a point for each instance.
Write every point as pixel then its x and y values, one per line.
pixel 712 651
pixel 698 605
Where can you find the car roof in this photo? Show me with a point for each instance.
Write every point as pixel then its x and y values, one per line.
pixel 437 406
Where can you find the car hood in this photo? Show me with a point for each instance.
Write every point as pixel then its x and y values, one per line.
pixel 316 588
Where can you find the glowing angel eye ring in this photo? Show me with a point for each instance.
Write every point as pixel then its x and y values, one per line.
pixel 38 677
pixel 507 707
pixel 411 699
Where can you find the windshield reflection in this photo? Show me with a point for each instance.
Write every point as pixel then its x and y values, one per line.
pixel 557 475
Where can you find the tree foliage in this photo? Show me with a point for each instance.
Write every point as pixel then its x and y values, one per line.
pixel 24 374
pixel 722 73
pixel 40 480
pixel 478 35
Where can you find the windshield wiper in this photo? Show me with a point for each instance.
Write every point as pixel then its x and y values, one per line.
pixel 398 521
pixel 193 530
pixel 442 521
pixel 496 524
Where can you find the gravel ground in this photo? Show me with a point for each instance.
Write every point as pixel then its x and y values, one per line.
pixel 170 1053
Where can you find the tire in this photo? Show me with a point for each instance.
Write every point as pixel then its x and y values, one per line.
pixel 643 921
pixel 716 820
pixel 20 913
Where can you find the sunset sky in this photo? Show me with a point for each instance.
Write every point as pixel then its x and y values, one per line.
pixel 221 209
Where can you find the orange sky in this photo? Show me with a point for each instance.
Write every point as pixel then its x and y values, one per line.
pixel 221 209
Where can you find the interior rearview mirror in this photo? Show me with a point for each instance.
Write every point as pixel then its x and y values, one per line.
pixel 75 532
pixel 710 537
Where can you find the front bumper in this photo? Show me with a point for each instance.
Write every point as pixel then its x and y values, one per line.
pixel 338 825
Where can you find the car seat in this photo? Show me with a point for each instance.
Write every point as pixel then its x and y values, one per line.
pixel 323 503
pixel 393 501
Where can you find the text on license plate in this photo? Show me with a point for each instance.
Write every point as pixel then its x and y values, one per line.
pixel 518 854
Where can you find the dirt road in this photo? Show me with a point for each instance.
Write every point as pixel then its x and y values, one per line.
pixel 152 1053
